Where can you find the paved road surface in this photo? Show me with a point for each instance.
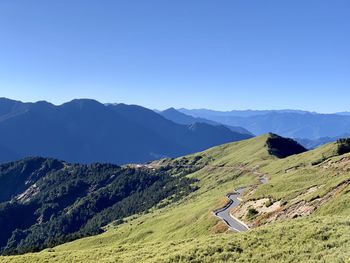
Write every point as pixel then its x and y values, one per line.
pixel 224 213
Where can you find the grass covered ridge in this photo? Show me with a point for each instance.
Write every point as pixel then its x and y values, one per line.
pixel 186 231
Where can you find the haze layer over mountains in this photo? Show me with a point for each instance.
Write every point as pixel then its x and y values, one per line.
pixel 86 131
pixel 309 128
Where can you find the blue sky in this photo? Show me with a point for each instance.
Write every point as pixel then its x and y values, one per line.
pixel 228 54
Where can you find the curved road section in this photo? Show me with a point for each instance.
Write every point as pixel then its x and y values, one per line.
pixel 224 213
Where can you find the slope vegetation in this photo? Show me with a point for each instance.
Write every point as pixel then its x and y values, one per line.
pixel 300 215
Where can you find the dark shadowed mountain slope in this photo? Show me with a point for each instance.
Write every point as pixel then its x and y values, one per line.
pixel 45 202
pixel 87 131
pixel 182 118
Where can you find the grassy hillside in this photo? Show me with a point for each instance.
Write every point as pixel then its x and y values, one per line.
pixel 304 216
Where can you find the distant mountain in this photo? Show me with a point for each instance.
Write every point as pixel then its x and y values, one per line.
pixel 312 144
pixel 182 118
pixel 288 123
pixel 87 131
pixel 346 113
pixel 204 113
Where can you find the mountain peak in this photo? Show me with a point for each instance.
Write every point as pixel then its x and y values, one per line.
pixel 172 112
pixel 82 104
pixel 83 101
pixel 171 109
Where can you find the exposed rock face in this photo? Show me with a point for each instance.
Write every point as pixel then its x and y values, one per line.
pixel 26 196
pixel 271 212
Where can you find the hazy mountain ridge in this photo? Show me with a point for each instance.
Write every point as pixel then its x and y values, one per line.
pixel 289 123
pixel 312 144
pixel 182 118
pixel 238 113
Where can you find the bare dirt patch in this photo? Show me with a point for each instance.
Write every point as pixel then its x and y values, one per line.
pixel 262 206
pixel 219 228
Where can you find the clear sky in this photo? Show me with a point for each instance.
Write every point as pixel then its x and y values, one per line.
pixel 227 54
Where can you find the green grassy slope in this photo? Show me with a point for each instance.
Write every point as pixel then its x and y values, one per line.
pixel 187 231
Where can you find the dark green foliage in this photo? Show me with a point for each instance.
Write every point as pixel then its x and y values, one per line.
pixel 62 202
pixel 343 146
pixel 252 212
pixel 283 147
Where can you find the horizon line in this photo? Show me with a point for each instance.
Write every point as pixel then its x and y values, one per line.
pixel 181 108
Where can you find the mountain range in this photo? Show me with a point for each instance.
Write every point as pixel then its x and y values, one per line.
pixel 289 123
pixel 86 131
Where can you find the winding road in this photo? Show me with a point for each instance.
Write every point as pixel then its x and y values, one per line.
pixel 234 200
